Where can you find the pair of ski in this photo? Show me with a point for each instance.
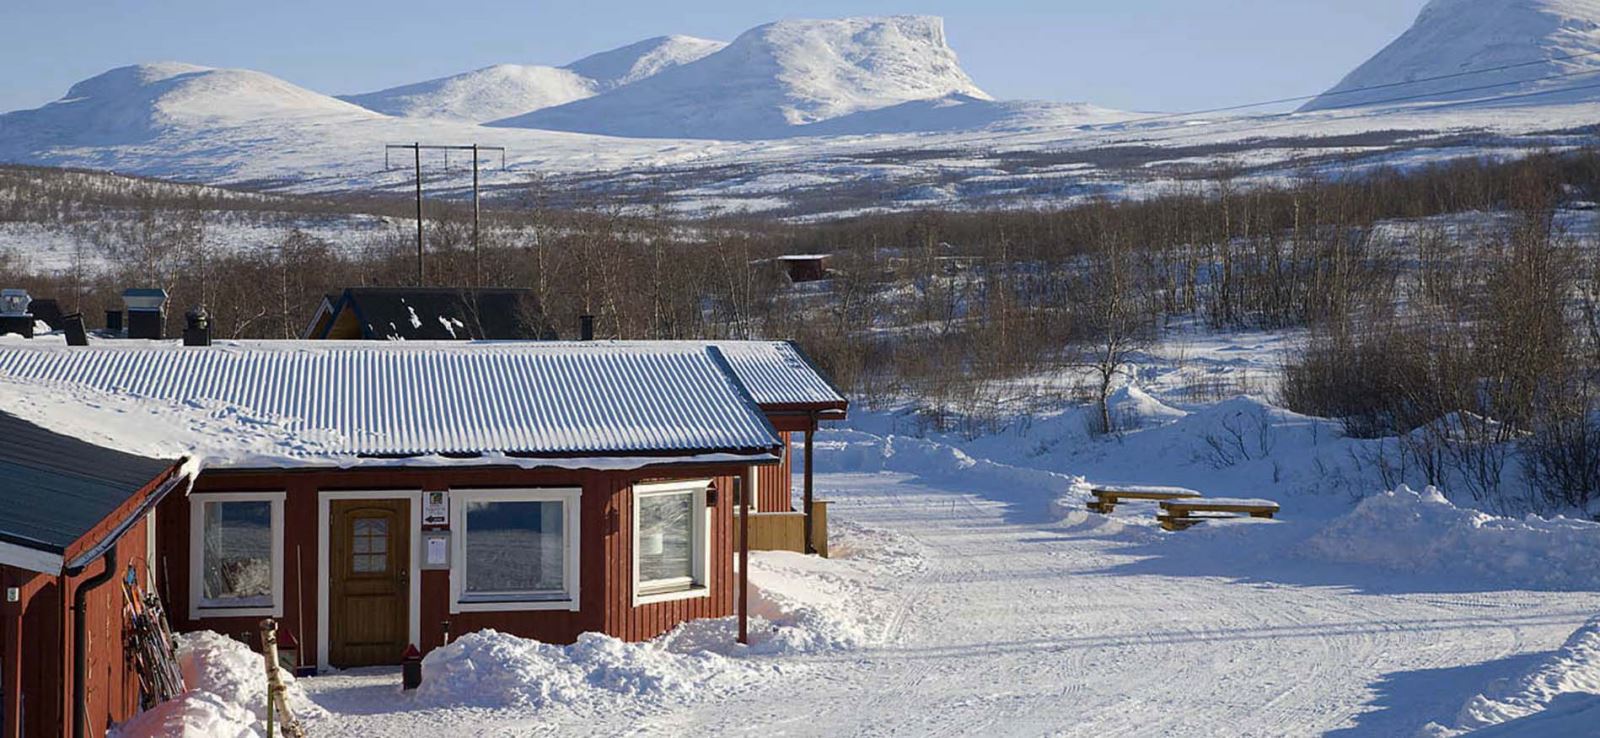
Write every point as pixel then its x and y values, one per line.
pixel 149 643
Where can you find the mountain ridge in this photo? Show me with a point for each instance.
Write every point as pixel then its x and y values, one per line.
pixel 1549 46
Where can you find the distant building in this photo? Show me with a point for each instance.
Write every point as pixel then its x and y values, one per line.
pixel 428 314
pixel 802 267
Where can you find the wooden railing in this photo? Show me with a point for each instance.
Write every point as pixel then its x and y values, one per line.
pixel 786 531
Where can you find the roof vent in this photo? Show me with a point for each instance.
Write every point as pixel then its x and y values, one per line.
pixel 14 315
pixel 586 327
pixel 146 312
pixel 197 327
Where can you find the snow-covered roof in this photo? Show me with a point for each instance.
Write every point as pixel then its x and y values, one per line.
pixel 542 400
pixel 777 374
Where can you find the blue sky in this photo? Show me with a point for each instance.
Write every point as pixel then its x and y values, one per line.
pixel 1131 54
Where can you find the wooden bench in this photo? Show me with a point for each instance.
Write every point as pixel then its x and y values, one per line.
pixel 1187 513
pixel 1106 497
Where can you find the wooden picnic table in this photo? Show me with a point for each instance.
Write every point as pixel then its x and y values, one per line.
pixel 1180 514
pixel 1106 496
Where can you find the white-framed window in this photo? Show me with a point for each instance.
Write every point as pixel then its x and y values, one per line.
pixel 236 554
pixel 671 541
pixel 515 549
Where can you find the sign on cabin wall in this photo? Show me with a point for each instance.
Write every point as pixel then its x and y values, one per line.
pixel 435 508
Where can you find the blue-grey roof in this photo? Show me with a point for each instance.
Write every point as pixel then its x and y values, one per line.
pixel 55 489
pixel 412 399
pixel 776 373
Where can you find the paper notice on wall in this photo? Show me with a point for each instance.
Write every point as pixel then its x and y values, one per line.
pixel 438 551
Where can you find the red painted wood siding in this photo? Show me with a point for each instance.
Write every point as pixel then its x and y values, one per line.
pixel 773 482
pixel 605 545
pixel 44 614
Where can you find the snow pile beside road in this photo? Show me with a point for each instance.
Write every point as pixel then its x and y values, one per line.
pixel 226 697
pixel 494 669
pixel 799 605
pixel 1570 677
pixel 1424 532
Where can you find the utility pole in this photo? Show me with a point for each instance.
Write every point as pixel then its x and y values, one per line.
pixel 422 269
pixel 416 151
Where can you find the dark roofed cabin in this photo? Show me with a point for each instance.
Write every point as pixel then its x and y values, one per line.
pixel 76 522
pixel 429 314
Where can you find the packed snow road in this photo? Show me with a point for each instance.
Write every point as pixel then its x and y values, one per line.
pixel 1018 628
pixel 1017 625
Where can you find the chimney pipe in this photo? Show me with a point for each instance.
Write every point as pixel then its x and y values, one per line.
pixel 197 327
pixel 114 321
pixel 586 327
pixel 73 325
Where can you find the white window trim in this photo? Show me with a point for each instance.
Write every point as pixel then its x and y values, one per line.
pixel 699 585
pixel 197 540
pixel 571 529
pixel 324 586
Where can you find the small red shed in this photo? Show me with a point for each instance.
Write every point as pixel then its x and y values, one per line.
pixel 75 519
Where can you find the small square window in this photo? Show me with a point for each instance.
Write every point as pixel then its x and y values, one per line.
pixel 236 550
pixel 514 549
pixel 671 557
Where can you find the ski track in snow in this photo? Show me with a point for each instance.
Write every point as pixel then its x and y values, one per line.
pixel 1028 628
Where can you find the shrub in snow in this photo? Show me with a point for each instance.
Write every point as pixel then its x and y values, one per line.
pixel 1424 532
pixel 1572 669
pixel 227 693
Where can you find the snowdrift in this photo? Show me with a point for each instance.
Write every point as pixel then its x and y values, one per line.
pixel 1423 532
pixel 227 695
pixel 799 605
pixel 492 669
pixel 1570 676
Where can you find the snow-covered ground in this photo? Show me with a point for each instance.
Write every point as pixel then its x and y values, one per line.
pixel 1011 623
pixel 972 593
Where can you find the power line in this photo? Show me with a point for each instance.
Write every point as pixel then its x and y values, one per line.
pixel 1452 104
pixel 416 150
pixel 1367 88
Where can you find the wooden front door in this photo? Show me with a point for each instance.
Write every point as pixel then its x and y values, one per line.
pixel 369 569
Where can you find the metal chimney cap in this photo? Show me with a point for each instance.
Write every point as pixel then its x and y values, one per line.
pixel 14 302
pixel 197 316
pixel 144 298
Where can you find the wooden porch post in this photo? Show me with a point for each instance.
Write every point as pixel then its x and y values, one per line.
pixel 746 487
pixel 806 504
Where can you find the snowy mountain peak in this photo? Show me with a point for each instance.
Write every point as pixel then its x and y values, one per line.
pixel 643 59
pixel 134 103
pixel 1552 46
pixel 480 95
pixel 776 78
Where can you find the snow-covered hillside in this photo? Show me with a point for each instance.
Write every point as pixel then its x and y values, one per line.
pixel 133 104
pixel 480 95
pixel 774 79
pixel 646 58
pixel 1552 49
pixel 506 90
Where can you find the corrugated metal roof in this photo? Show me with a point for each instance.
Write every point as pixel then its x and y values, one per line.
pixel 409 399
pixel 774 372
pixel 56 489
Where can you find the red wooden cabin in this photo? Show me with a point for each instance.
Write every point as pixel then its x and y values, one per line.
pixel 542 489
pixel 74 523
